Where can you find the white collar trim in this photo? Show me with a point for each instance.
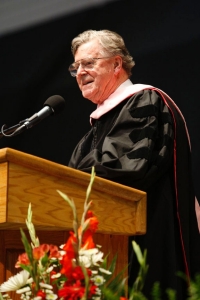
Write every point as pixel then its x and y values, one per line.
pixel 125 90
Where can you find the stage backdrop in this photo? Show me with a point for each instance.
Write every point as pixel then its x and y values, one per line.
pixel 162 36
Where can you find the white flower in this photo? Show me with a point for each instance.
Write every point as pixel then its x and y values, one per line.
pixel 62 252
pixel 48 291
pixel 49 269
pixel 15 282
pixel 29 293
pixel 105 271
pixel 97 258
pixel 98 292
pixel 56 275
pixel 88 252
pixel 54 258
pixel 45 286
pixel 23 290
pixel 90 257
pixel 6 296
pixel 98 280
pixel 85 260
pixel 51 297
pixel 30 280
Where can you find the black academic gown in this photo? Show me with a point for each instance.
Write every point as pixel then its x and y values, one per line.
pixel 143 143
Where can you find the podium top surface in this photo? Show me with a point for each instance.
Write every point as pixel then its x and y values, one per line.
pixel 58 170
pixel 27 178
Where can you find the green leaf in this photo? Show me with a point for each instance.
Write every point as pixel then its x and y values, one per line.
pixel 25 267
pixel 27 246
pixel 138 252
pixel 194 288
pixel 88 192
pixel 66 198
pixel 171 294
pixel 45 260
pixel 156 291
pixel 140 280
pixel 1 297
pixel 108 294
pixel 31 228
pixel 115 283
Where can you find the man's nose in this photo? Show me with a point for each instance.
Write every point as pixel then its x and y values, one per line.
pixel 81 69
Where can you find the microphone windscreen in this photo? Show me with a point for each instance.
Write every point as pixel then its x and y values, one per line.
pixel 56 102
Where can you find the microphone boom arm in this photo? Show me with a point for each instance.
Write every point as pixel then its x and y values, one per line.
pixel 11 131
pixel 53 105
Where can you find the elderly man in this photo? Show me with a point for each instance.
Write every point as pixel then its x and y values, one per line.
pixel 138 138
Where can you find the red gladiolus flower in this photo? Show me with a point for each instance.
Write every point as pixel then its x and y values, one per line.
pixel 73 288
pixel 69 247
pixel 93 289
pixel 54 252
pixel 41 294
pixel 87 241
pixel 39 252
pixel 50 250
pixel 44 248
pixel 77 273
pixel 93 221
pixel 22 259
pixel 74 292
pixel 67 266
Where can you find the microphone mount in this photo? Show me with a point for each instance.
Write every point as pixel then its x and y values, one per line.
pixel 52 106
pixel 11 131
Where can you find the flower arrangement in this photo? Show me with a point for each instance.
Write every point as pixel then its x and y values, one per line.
pixel 78 269
pixel 75 270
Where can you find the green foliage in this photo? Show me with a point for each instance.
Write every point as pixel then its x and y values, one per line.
pixel 1 297
pixel 171 294
pixel 31 229
pixel 32 269
pixel 194 289
pixel 114 286
pixel 140 280
pixel 156 291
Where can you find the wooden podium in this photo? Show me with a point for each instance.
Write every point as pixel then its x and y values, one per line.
pixel 25 179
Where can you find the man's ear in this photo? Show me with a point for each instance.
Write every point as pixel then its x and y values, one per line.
pixel 118 64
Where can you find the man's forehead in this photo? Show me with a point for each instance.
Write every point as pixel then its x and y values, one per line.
pixel 92 47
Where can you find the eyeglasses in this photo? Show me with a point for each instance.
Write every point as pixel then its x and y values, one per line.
pixel 86 64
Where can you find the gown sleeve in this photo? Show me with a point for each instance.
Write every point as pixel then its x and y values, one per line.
pixel 132 144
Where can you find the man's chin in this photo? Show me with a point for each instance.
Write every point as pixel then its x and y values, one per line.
pixel 87 95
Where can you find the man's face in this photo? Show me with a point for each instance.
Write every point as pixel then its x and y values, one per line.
pixel 98 82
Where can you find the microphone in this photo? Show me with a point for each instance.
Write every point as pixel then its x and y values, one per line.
pixel 52 106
